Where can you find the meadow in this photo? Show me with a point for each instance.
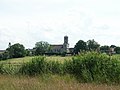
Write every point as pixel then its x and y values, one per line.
pixel 19 61
pixel 46 82
pixel 61 73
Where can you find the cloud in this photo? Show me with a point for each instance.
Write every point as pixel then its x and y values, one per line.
pixel 28 22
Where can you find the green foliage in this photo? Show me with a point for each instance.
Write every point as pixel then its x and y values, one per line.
pixel 4 56
pixel 80 46
pixel 94 67
pixel 86 67
pixel 1 55
pixel 92 45
pixel 105 49
pixel 41 47
pixel 1 69
pixel 36 66
pixel 8 69
pixel 39 65
pixel 63 54
pixel 117 50
pixel 16 51
pixel 54 67
pixel 112 46
pixel 28 52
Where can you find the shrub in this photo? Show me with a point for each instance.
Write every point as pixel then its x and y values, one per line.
pixel 54 67
pixel 94 67
pixel 36 66
pixel 39 65
pixel 86 67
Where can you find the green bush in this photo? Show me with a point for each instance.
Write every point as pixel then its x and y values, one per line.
pixel 86 67
pixel 54 67
pixel 94 67
pixel 39 65
pixel 36 66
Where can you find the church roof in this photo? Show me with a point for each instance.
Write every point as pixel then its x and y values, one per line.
pixel 59 46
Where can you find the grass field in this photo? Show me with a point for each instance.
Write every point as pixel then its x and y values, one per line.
pixel 54 58
pixel 12 65
pixel 47 82
pixel 27 59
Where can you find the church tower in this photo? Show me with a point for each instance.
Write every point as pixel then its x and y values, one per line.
pixel 65 39
pixel 65 45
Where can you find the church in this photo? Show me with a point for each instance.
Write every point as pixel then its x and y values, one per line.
pixel 56 48
pixel 61 47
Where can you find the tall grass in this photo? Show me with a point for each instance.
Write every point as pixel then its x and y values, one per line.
pixel 86 67
pixel 94 67
pixel 53 82
pixel 54 67
pixel 34 67
pixel 8 69
pixel 39 65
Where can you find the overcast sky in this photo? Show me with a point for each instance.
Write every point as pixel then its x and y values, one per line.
pixel 30 21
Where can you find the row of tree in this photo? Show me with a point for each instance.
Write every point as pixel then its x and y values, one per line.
pixel 18 50
pixel 92 45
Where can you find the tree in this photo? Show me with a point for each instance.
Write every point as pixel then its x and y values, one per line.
pixel 41 47
pixel 112 46
pixel 80 46
pixel 28 52
pixel 117 50
pixel 92 45
pixel 17 50
pixel 105 49
pixel 4 55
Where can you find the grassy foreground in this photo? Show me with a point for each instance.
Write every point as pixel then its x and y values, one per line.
pixel 47 82
pixel 88 71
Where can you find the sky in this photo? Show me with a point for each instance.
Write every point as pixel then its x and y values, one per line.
pixel 30 21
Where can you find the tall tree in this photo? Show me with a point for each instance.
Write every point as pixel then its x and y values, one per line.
pixel 112 46
pixel 16 50
pixel 41 47
pixel 80 46
pixel 92 45
pixel 105 49
pixel 117 50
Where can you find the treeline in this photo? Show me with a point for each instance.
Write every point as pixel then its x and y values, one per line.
pixel 92 45
pixel 18 50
